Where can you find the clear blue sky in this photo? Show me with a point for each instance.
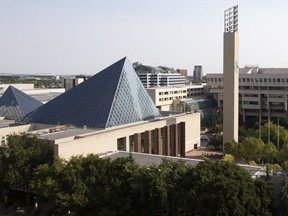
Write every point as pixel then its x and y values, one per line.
pixel 85 36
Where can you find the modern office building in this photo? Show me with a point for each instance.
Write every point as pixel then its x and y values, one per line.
pixel 198 73
pixel 263 92
pixel 160 79
pixel 110 111
pixel 168 98
pixel 231 75
pixel 159 76
pixel 188 98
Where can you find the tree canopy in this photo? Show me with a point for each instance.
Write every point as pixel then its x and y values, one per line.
pixel 19 158
pixel 94 186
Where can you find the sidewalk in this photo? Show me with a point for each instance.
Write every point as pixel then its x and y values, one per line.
pixel 198 153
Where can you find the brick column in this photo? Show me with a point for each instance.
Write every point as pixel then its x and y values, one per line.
pixel 157 136
pixel 148 142
pixel 137 142
pixel 174 140
pixel 182 139
pixel 167 140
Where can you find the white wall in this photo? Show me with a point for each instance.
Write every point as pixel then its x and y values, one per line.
pixel 106 140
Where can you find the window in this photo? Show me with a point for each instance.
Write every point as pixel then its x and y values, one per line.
pixel 131 143
pixel 121 144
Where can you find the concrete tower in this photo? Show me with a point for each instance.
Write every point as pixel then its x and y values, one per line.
pixel 231 75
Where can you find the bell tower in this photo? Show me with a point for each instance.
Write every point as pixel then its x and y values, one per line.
pixel 231 75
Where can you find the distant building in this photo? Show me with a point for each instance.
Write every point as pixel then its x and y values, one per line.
pixel 156 80
pixel 188 98
pixel 159 76
pixel 168 98
pixel 183 72
pixel 198 73
pixel 72 81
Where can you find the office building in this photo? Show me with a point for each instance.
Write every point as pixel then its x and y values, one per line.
pixel 71 81
pixel 183 72
pixel 159 76
pixel 263 92
pixel 198 73
pixel 168 98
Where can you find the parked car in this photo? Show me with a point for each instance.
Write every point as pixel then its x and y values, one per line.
pixel 204 137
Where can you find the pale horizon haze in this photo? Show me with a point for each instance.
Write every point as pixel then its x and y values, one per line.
pixel 85 36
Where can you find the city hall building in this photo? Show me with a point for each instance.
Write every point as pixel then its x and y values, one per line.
pixel 108 112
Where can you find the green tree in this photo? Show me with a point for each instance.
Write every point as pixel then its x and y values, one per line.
pixel 45 181
pixel 216 142
pixel 228 158
pixel 94 186
pixel 284 197
pixel 231 147
pixel 216 126
pixel 283 153
pixel 251 148
pixel 269 152
pixel 269 132
pixel 20 157
pixel 224 188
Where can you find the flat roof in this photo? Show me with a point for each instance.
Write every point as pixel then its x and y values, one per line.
pixel 148 159
pixel 144 159
pixel 6 122
pixel 178 86
pixel 69 132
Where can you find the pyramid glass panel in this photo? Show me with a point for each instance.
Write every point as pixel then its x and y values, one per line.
pixel 112 97
pixel 131 102
pixel 15 104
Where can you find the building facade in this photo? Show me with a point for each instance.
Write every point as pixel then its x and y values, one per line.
pixel 70 82
pixel 183 72
pixel 169 98
pixel 263 92
pixel 198 73
pixel 150 80
pixel 110 111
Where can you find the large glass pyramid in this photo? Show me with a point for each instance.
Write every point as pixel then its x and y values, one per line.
pixel 114 96
pixel 15 104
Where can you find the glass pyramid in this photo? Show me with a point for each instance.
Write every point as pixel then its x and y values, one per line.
pixel 15 104
pixel 114 96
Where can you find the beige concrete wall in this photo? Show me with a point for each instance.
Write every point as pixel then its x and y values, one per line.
pixel 16 129
pixel 106 140
pixel 231 87
pixel 4 132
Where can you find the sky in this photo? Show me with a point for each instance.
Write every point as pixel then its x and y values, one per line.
pixel 85 36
